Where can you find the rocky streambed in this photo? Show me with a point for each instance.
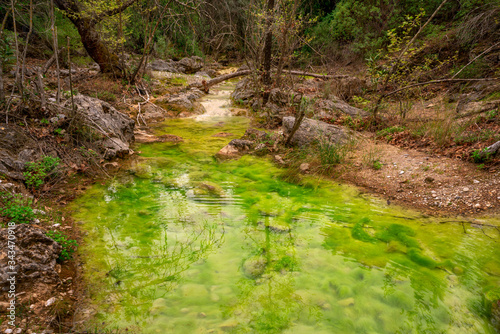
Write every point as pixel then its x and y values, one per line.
pixel 185 242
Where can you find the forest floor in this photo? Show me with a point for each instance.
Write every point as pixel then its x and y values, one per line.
pixel 431 183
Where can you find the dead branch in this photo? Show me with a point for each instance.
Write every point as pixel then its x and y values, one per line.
pixel 484 107
pixel 436 81
pixel 205 85
pixel 41 91
pixel 51 61
pixel 296 124
pixel 473 60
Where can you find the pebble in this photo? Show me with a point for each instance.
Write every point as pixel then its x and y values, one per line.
pixel 466 189
pixel 401 172
pixel 304 167
pixel 476 181
pixel 50 301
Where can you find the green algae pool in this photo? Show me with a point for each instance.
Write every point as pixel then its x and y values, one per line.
pixel 185 244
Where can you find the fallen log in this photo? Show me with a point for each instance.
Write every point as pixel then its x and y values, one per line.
pixel 205 85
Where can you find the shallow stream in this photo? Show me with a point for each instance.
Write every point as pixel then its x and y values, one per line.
pixel 185 244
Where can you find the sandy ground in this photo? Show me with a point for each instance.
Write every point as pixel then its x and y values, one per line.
pixel 430 183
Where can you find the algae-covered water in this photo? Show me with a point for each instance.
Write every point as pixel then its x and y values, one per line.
pixel 185 244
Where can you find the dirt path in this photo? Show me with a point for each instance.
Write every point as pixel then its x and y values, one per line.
pixel 430 183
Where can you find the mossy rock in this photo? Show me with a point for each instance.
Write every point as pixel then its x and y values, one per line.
pixel 208 188
pixel 277 226
pixel 142 171
pixel 198 176
pixel 168 182
pixel 161 162
pixel 255 266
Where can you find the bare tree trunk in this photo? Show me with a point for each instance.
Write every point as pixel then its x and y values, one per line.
pixel 206 86
pixel 2 93
pixel 17 83
pixel 148 44
pixel 267 52
pixel 298 121
pixel 71 86
pixel 23 66
pixel 56 50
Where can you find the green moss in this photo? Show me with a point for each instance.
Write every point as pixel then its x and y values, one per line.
pixel 359 233
pixel 416 256
pixel 157 260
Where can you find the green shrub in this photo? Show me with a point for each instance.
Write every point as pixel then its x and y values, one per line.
pixel 16 208
pixel 479 156
pixel 377 165
pixel 38 172
pixel 7 56
pixel 68 245
pixel 391 130
pixel 106 96
pixel 331 154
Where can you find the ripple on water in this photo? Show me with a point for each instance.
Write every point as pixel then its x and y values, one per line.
pixel 264 256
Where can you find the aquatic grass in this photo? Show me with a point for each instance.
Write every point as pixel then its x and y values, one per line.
pixel 341 245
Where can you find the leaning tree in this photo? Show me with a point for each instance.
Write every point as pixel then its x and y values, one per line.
pixel 86 15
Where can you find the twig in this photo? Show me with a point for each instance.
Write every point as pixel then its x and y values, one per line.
pixel 473 60
pixel 437 81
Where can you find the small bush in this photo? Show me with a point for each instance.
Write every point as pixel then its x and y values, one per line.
pixel 16 208
pixel 331 154
pixel 38 172
pixel 68 245
pixel 391 130
pixel 106 96
pixel 479 156
pixel 377 165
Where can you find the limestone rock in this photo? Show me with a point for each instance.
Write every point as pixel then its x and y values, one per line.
pixel 311 130
pixel 235 148
pixel 330 105
pixel 244 91
pixel 191 64
pixel 16 149
pixel 36 256
pixel 304 167
pixel 118 127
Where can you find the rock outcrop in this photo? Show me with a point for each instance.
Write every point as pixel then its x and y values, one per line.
pixel 312 130
pixel 235 149
pixel 328 106
pixel 36 256
pixel 16 149
pixel 117 128
pixel 188 65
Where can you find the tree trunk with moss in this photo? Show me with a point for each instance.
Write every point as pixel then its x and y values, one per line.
pixel 87 28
